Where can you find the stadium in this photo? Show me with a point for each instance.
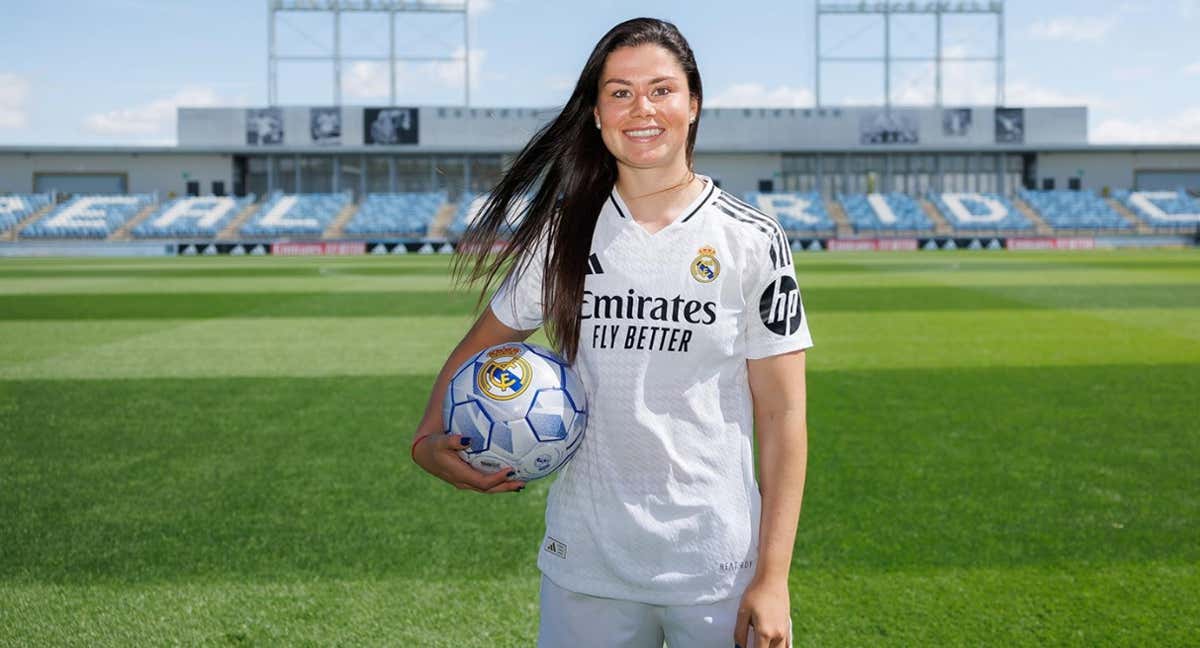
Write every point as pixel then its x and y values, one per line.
pixel 846 178
pixel 213 354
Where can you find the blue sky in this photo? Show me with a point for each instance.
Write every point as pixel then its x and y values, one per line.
pixel 113 71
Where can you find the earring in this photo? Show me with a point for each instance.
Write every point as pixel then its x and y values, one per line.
pixel 597 123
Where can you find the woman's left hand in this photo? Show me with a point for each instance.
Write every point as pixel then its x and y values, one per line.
pixel 765 614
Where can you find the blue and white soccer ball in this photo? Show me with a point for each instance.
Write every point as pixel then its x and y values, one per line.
pixel 521 405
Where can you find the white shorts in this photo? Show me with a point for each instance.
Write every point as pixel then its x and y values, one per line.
pixel 572 620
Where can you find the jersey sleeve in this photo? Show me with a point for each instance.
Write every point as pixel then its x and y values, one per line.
pixel 777 322
pixel 517 303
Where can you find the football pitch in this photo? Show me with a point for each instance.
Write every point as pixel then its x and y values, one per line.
pixel 1004 450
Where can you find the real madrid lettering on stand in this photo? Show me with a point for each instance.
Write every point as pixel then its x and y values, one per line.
pixel 645 337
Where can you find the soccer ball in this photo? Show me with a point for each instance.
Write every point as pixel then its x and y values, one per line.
pixel 521 405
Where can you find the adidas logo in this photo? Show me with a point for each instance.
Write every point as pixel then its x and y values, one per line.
pixel 557 548
pixel 594 266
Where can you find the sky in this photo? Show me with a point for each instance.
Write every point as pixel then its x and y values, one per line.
pixel 101 72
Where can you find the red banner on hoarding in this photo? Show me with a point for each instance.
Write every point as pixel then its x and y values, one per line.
pixel 319 248
pixel 871 245
pixel 1051 243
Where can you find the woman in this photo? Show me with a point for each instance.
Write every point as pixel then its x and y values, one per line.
pixel 678 305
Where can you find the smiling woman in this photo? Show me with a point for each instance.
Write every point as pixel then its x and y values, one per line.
pixel 645 120
pixel 679 307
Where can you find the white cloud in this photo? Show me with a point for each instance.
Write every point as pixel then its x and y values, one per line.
pixel 1074 29
pixel 758 95
pixel 156 117
pixel 366 80
pixel 1181 127
pixel 14 92
pixel 1025 93
pixel 1194 68
pixel 451 72
pixel 369 80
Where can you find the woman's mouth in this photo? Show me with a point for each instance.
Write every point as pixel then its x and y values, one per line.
pixel 643 134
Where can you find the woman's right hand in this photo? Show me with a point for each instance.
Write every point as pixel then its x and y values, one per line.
pixel 438 455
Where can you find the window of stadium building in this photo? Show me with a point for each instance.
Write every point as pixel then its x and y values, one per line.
pixel 359 174
pixel 316 174
pixel 380 171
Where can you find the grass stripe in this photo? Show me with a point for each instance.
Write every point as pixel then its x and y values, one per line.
pixel 819 300
pixel 1121 605
pixel 417 345
pixel 414 272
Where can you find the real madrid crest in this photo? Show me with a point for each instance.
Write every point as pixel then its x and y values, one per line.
pixel 505 375
pixel 705 266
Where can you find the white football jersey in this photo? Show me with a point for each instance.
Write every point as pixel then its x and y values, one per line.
pixel 660 503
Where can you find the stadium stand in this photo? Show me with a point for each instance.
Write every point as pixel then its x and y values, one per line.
pixel 979 211
pixel 1164 209
pixel 1068 209
pixel 15 208
pixel 399 213
pixel 296 214
pixel 468 209
pixel 193 217
pixel 796 212
pixel 88 216
pixel 890 211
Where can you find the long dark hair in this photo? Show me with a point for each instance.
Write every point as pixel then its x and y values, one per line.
pixel 570 173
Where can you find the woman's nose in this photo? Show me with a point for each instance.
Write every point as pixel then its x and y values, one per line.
pixel 643 106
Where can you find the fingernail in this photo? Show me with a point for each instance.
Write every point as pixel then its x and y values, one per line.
pixel 465 441
pixel 511 473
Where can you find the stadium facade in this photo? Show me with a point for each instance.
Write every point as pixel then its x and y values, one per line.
pixel 417 174
pixel 834 150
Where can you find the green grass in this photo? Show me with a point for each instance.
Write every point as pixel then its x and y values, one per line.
pixel 214 452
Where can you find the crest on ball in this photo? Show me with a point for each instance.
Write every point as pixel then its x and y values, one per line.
pixel 505 375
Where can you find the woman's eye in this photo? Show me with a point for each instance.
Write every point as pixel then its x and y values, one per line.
pixel 661 91
pixel 621 94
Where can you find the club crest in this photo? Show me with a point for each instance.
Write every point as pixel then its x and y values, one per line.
pixel 505 375
pixel 705 266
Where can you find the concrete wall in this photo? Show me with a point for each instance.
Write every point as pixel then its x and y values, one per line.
pixel 146 172
pixel 723 130
pixel 477 130
pixel 1116 170
pixel 740 173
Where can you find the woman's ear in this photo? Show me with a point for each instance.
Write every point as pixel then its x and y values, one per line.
pixel 596 114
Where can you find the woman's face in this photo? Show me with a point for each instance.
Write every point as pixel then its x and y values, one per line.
pixel 645 108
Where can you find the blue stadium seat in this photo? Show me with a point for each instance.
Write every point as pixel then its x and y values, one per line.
pixel 1174 209
pixel 193 217
pixel 15 208
pixel 891 211
pixel 796 211
pixel 88 216
pixel 1066 209
pixel 979 211
pixel 468 210
pixel 296 214
pixel 399 213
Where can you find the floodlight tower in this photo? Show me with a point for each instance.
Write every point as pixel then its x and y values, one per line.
pixel 335 8
pixel 886 10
